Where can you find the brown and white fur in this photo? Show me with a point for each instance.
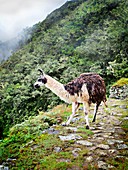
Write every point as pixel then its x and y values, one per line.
pixel 87 88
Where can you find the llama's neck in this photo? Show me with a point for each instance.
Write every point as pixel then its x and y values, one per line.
pixel 57 88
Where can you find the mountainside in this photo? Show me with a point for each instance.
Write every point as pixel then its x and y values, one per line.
pixel 79 37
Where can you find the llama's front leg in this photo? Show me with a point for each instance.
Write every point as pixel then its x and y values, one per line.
pixel 74 108
pixel 86 112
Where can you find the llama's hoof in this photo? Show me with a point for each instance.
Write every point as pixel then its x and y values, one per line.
pixel 63 124
pixel 87 127
pixel 93 120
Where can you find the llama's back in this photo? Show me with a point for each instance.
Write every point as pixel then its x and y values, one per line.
pixel 95 86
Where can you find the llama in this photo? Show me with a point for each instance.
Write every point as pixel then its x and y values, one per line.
pixel 86 89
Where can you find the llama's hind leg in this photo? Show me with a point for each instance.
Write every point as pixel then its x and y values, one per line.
pixel 95 111
pixel 86 112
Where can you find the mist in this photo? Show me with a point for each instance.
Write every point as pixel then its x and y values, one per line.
pixel 17 14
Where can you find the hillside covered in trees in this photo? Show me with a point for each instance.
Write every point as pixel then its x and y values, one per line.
pixel 81 36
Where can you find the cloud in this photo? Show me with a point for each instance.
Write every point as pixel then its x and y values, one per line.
pixel 18 14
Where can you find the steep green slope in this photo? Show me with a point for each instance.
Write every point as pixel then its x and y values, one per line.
pixel 80 36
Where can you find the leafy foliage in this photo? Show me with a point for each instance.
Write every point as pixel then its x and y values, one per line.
pixel 79 37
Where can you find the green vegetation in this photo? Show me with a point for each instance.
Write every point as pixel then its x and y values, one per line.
pixel 79 37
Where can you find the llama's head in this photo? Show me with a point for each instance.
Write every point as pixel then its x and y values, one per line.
pixel 41 80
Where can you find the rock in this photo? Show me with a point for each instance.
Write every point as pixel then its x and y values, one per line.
pixel 120 158
pixel 104 135
pixel 57 149
pixel 89 159
pixel 55 132
pixel 113 151
pixel 123 107
pixel 51 131
pixel 111 167
pixel 75 119
pixel 75 152
pixel 110 130
pixel 125 118
pixel 1 167
pixel 70 137
pixel 119 114
pixel 34 147
pixel 84 142
pixel 92 148
pixel 102 165
pixel 122 146
pixel 102 146
pixel 113 141
pixel 92 128
pixel 101 153
pixel 100 128
pixel 101 123
pixel 4 167
pixel 10 160
pixel 97 131
pixel 100 139
pixel 63 160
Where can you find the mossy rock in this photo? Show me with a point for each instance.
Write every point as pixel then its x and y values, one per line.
pixel 121 82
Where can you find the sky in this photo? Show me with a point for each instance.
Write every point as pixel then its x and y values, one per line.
pixel 18 14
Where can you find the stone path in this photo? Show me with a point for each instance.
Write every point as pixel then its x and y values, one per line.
pixel 107 140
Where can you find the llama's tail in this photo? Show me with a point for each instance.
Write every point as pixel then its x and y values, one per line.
pixel 105 100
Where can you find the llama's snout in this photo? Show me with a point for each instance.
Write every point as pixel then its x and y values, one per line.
pixel 36 85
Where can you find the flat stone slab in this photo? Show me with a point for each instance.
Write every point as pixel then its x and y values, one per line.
pixel 102 146
pixel 70 137
pixel 113 141
pixel 122 146
pixel 84 142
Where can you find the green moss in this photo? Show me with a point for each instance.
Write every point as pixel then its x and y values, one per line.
pixel 84 130
pixel 121 82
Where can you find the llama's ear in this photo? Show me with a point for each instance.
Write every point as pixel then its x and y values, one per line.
pixel 41 71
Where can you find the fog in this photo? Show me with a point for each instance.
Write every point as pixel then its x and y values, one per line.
pixel 18 14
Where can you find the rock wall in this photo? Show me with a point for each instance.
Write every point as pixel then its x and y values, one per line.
pixel 119 92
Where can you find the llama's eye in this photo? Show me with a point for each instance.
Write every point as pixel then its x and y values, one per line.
pixel 40 80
